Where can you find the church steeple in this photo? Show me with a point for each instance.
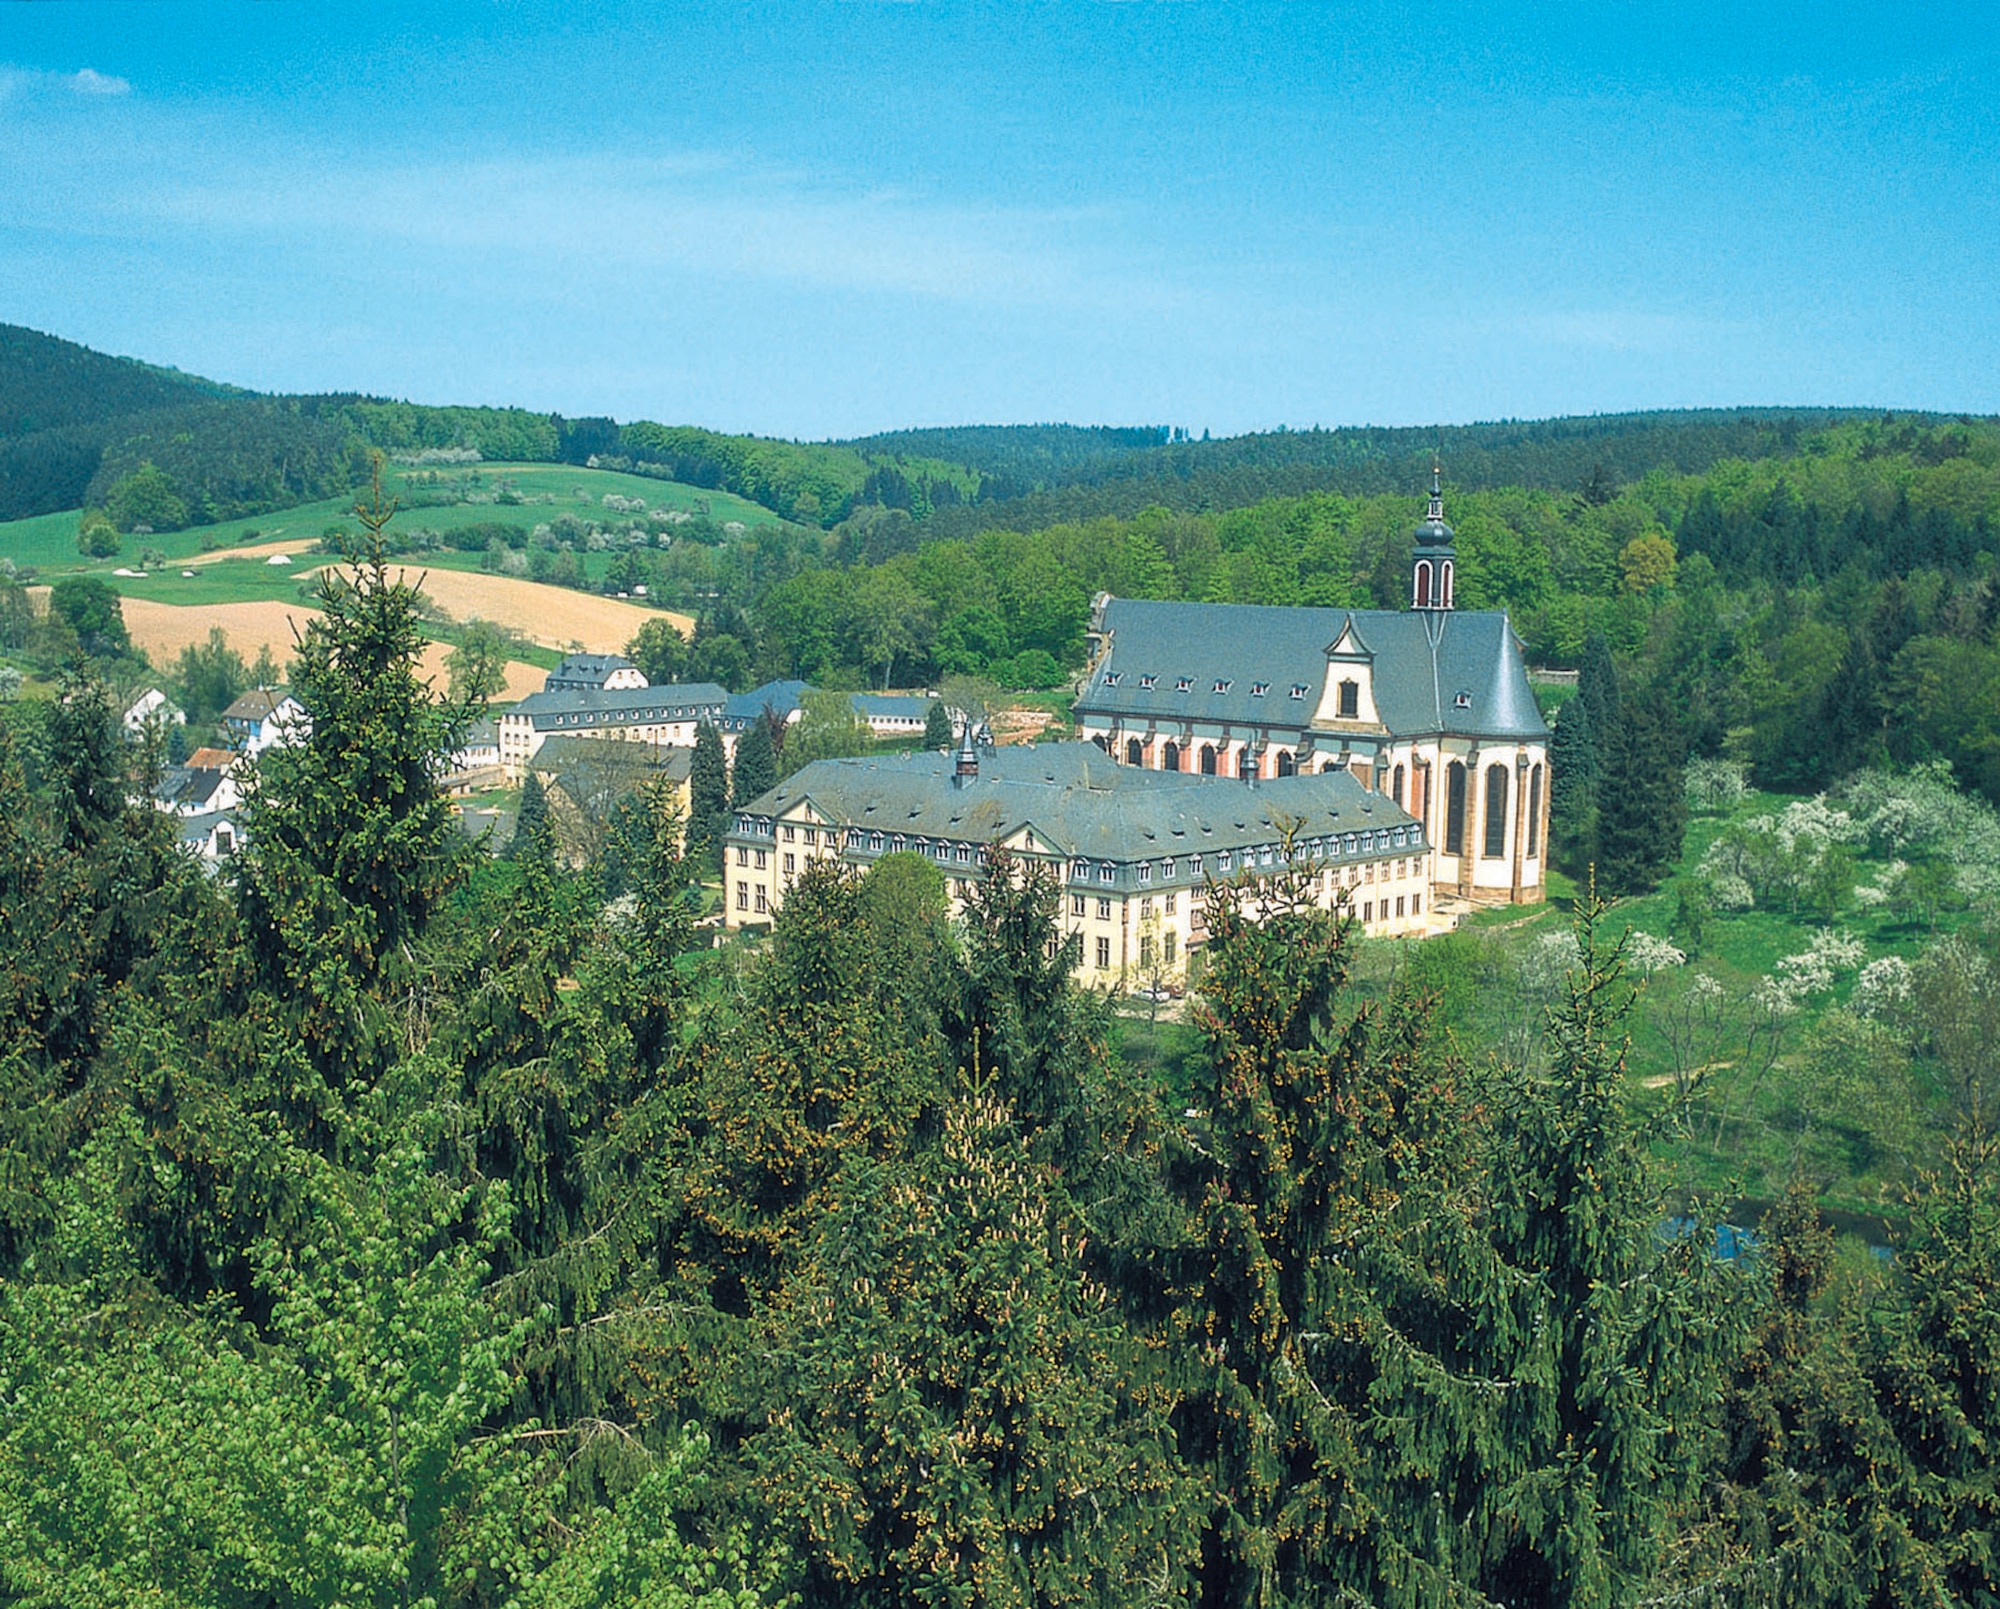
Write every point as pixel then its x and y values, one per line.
pixel 1431 576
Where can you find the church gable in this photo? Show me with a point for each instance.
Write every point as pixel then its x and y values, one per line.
pixel 1347 694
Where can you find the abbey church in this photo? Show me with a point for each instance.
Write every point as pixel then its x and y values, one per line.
pixel 1394 760
pixel 1429 705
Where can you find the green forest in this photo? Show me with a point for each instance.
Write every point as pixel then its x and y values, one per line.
pixel 382 1222
pixel 387 1221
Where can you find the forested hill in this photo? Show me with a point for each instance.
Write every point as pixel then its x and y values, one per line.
pixel 50 384
pixel 79 429
pixel 1038 475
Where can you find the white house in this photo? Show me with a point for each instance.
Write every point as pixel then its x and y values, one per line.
pixel 262 719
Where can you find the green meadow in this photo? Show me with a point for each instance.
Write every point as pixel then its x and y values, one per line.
pixel 47 543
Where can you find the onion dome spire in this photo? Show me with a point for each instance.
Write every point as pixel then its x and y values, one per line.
pixel 1431 579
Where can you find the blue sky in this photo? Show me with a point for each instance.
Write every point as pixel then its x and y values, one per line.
pixel 819 219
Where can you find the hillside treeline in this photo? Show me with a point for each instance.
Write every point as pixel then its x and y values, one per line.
pixel 74 424
pixel 1810 614
pixel 384 1224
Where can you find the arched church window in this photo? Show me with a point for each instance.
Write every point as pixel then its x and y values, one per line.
pixel 1496 812
pixel 1534 844
pixel 1423 583
pixel 1454 809
pixel 1170 757
pixel 1396 787
pixel 1286 765
pixel 1208 759
pixel 1444 585
pixel 1102 742
pixel 1135 752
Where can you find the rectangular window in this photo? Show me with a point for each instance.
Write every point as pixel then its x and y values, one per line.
pixel 742 856
pixel 1145 910
pixel 791 863
pixel 763 903
pixel 1167 940
pixel 743 896
pixel 1399 904
pixel 1105 873
pixel 1367 910
pixel 1172 901
pixel 1076 905
pixel 763 857
pixel 1222 863
pixel 812 837
pixel 1416 905
pixel 1104 910
pixel 790 835
pixel 1103 953
pixel 1145 871
pixel 1145 949
pixel 1350 701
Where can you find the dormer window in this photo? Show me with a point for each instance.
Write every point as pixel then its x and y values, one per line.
pixel 1462 701
pixel 1113 677
pixel 1298 689
pixel 1183 684
pixel 1222 684
pixel 1350 701
pixel 1259 689
pixel 1146 683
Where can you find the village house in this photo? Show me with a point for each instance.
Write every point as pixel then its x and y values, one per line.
pixel 264 718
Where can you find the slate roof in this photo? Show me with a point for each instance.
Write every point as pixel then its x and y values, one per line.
pixel 184 786
pixel 1417 680
pixel 671 701
pixel 1084 804
pixel 584 671
pixel 779 697
pixel 195 830
pixel 258 704
pixel 563 755
pixel 892 706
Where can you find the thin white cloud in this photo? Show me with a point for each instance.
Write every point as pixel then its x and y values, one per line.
pixel 89 81
pixel 694 214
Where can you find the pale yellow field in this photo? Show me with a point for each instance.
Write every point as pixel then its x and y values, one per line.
pixel 259 550
pixel 555 617
pixel 164 629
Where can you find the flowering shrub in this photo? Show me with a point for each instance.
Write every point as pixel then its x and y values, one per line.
pixel 1713 786
pixel 1648 954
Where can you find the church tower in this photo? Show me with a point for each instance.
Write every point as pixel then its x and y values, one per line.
pixel 1431 579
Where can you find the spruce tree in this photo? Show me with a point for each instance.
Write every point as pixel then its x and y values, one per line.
pixel 352 844
pixel 756 770
pixel 937 726
pixel 1573 773
pixel 1613 1357
pixel 534 829
pixel 1597 685
pixel 1641 805
pixel 708 798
